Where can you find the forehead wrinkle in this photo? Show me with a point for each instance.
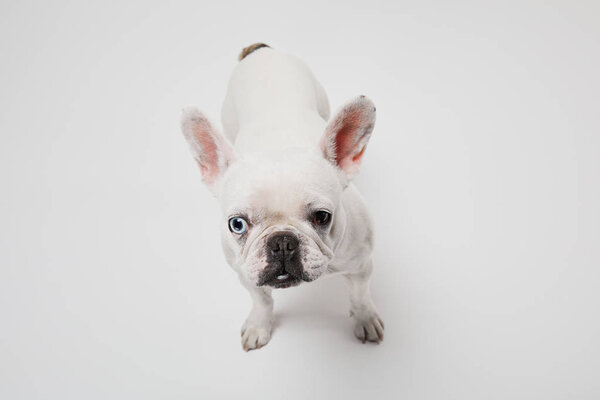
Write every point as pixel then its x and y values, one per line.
pixel 276 202
pixel 289 186
pixel 286 200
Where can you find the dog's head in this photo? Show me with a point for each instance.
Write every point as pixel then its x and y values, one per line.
pixel 282 214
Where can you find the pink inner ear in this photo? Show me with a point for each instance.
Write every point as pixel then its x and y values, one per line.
pixel 347 135
pixel 345 140
pixel 211 151
pixel 209 162
pixel 358 157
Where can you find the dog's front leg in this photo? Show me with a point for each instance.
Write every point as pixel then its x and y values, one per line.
pixel 368 325
pixel 256 331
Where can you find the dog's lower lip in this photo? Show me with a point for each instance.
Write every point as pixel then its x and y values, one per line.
pixel 282 280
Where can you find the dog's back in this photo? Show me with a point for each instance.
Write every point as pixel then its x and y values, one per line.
pixel 273 101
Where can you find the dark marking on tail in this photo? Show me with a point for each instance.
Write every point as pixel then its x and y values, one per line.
pixel 250 49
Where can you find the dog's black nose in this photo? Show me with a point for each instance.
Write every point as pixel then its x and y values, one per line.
pixel 284 267
pixel 283 245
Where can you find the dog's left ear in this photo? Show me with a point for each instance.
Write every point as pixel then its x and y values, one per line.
pixel 210 149
pixel 347 135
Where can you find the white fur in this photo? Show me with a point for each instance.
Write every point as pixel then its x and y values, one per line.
pixel 284 161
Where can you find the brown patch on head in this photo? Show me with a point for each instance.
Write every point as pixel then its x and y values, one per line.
pixel 253 47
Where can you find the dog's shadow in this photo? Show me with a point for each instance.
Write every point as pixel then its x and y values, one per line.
pixel 320 305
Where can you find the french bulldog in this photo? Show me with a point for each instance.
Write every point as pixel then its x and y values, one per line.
pixel 282 174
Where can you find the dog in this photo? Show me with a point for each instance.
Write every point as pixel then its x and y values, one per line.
pixel 282 174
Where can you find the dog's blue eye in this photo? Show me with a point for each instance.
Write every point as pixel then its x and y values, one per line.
pixel 238 225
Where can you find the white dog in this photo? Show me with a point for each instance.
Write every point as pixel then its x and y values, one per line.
pixel 290 213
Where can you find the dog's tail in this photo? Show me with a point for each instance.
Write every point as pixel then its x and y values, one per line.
pixel 253 47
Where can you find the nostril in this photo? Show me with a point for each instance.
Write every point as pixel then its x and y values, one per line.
pixel 274 245
pixel 281 244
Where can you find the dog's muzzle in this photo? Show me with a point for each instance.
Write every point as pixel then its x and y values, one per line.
pixel 284 266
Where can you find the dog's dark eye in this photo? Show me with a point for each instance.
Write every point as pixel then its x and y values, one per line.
pixel 238 225
pixel 321 218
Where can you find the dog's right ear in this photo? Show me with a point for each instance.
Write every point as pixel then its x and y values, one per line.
pixel 210 149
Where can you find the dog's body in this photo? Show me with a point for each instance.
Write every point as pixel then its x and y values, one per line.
pixel 291 213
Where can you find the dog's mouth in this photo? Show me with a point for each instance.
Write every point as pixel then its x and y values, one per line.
pixel 283 280
pixel 280 278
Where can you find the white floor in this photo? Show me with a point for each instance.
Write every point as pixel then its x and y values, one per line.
pixel 482 174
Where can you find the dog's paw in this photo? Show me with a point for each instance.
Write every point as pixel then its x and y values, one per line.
pixel 368 326
pixel 255 334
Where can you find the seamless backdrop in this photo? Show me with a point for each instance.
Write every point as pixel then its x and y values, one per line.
pixel 482 175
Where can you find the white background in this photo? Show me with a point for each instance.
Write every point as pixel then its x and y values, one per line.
pixel 482 175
